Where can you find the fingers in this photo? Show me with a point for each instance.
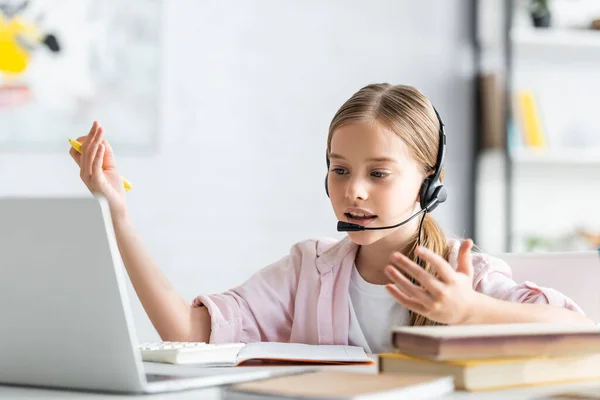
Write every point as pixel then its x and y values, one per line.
pixel 74 153
pixel 417 293
pixel 89 150
pixel 425 279
pixel 97 164
pixel 86 158
pixel 465 264
pixel 444 271
pixel 76 156
pixel 85 143
pixel 86 140
pixel 93 129
pixel 92 148
pixel 405 300
pixel 109 158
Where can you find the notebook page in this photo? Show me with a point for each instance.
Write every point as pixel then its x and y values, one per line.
pixel 303 353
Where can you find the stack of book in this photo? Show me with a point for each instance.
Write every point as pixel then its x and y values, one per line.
pixel 485 357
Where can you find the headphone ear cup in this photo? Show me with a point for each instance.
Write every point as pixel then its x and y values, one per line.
pixel 327 176
pixel 423 193
pixel 440 194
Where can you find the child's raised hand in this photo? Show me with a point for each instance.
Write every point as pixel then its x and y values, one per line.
pixel 448 298
pixel 98 169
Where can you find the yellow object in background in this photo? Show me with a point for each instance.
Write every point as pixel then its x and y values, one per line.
pixel 533 133
pixel 77 146
pixel 19 38
pixel 13 33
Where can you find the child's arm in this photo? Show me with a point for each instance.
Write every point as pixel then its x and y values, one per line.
pixel 263 308
pixel 450 297
pixel 489 310
pixel 173 318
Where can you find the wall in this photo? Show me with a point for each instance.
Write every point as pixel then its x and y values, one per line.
pixel 249 90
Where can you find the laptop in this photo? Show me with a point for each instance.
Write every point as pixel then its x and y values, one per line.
pixel 65 320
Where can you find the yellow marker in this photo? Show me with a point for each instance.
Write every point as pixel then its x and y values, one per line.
pixel 77 146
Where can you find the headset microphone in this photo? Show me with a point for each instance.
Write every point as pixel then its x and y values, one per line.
pixel 348 227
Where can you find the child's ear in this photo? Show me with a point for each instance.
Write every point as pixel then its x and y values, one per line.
pixel 419 194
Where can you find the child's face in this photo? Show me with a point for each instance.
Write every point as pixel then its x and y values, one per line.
pixel 372 173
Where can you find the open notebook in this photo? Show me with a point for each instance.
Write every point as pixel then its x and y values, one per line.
pixel 217 355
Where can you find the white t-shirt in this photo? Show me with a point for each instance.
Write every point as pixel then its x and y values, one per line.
pixel 373 312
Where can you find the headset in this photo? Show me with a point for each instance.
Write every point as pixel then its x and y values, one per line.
pixel 431 194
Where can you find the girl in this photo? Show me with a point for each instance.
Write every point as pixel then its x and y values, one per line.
pixel 383 144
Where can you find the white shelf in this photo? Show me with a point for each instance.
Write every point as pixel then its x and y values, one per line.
pixel 557 156
pixel 571 38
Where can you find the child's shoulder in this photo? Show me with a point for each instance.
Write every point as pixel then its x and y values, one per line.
pixel 313 252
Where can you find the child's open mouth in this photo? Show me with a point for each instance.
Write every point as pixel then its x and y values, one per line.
pixel 360 218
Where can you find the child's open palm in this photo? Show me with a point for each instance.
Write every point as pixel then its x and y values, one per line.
pixel 447 298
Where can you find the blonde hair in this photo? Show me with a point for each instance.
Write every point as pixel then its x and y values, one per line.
pixel 410 115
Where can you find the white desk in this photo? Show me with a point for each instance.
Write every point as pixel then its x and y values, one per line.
pixel 534 392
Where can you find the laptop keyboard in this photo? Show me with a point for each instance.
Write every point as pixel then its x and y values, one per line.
pixel 172 352
pixel 173 345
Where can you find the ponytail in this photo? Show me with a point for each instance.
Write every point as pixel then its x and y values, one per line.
pixel 433 238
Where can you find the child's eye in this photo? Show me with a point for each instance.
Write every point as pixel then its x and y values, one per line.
pixel 379 174
pixel 339 171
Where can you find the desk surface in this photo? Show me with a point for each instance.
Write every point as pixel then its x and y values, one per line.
pixel 534 392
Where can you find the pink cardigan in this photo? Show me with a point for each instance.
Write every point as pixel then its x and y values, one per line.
pixel 303 298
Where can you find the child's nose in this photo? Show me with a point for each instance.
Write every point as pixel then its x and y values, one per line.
pixel 357 189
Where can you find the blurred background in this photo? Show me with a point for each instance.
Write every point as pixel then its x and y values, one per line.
pixel 218 114
pixel 539 147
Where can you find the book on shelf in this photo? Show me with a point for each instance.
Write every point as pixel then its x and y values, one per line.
pixel 531 138
pixel 492 111
pixel 528 114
